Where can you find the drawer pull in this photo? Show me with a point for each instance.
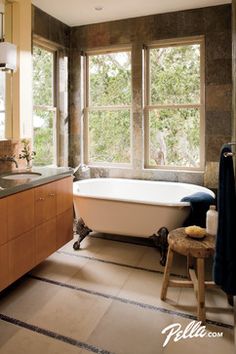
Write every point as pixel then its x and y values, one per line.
pixel 41 198
pixel 51 194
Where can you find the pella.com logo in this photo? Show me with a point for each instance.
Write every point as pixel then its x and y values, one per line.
pixel 194 329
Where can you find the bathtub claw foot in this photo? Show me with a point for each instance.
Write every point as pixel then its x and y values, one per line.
pixel 76 245
pixel 82 231
pixel 161 242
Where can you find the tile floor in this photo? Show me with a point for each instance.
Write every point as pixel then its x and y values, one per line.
pixel 105 298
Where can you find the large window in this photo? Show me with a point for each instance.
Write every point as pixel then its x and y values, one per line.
pixel 108 108
pixel 44 106
pixel 174 107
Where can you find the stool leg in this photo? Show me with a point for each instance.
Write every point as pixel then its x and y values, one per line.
pixel 190 263
pixel 167 274
pixel 201 312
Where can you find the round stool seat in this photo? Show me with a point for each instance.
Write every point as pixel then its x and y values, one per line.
pixel 181 243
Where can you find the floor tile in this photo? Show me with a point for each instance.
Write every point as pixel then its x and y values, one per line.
pixel 59 267
pixel 72 313
pixel 102 277
pixel 16 340
pixel 217 308
pixel 28 299
pixel 128 329
pixel 145 287
pixel 121 252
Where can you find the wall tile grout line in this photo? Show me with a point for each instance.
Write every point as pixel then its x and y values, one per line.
pixel 128 302
pixel 119 264
pixel 54 335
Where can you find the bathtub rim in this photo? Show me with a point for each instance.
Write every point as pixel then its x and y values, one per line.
pixel 128 200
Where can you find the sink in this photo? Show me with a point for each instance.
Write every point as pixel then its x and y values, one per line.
pixel 22 175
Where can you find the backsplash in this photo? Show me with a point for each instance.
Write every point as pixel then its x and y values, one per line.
pixel 11 148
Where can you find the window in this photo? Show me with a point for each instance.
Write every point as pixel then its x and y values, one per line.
pixel 174 106
pixel 108 108
pixel 2 104
pixel 44 109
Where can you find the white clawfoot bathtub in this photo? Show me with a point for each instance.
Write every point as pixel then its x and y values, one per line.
pixel 132 207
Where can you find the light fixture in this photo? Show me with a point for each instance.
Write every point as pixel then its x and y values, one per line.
pixel 8 52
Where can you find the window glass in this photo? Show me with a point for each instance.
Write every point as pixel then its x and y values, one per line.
pixel 44 111
pixel 175 74
pixel 109 108
pixel 173 113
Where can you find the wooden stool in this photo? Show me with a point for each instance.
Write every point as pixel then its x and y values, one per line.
pixel 192 248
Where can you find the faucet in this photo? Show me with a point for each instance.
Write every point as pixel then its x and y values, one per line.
pixel 9 158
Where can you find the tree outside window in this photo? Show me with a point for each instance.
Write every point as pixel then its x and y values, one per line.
pixel 108 108
pixel 174 108
pixel 44 110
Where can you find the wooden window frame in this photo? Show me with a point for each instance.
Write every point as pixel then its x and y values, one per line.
pixel 148 107
pixel 87 108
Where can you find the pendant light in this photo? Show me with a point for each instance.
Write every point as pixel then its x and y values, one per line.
pixel 8 51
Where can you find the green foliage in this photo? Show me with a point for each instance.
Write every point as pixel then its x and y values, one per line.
pixel 110 85
pixel 26 152
pixel 110 79
pixel 109 136
pixel 43 96
pixel 175 75
pixel 174 137
pixel 175 132
pixel 43 138
pixel 42 77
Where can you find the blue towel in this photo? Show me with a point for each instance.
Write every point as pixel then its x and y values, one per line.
pixel 224 269
pixel 200 203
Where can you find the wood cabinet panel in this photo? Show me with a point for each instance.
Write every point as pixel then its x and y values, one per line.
pixel 3 221
pixel 21 255
pixel 45 202
pixel 64 227
pixel 46 239
pixel 20 210
pixel 64 189
pixel 34 224
pixel 4 266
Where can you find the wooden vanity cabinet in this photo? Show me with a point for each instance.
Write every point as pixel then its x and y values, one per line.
pixel 53 216
pixel 3 221
pixel 45 202
pixel 4 266
pixel 20 213
pixel 34 224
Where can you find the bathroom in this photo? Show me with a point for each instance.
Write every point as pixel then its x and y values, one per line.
pixel 121 272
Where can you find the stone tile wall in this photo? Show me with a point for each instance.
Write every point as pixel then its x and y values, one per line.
pixel 11 148
pixel 212 22
pixel 49 28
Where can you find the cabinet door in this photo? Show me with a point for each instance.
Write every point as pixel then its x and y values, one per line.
pixel 21 255
pixel 4 266
pixel 20 209
pixel 64 194
pixel 45 203
pixel 64 227
pixel 3 221
pixel 46 240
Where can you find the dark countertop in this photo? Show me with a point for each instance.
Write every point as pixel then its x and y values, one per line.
pixel 48 174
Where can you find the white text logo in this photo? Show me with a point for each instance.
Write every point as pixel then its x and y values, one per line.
pixel 192 330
